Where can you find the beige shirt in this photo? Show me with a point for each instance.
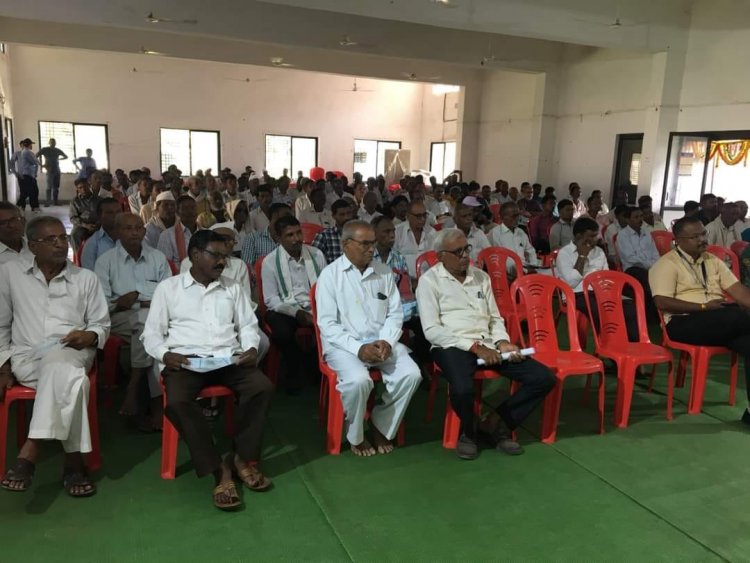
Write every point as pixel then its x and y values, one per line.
pixel 719 235
pixel 678 276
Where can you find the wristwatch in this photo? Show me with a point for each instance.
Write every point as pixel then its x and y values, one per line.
pixel 96 340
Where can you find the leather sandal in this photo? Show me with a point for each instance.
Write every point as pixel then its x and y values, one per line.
pixel 21 472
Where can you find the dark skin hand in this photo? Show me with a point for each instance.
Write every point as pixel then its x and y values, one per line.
pixel 79 339
pixel 175 361
pixel 6 379
pixel 248 358
pixel 125 302
pixel 375 352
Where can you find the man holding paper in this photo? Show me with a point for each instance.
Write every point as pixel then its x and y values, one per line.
pixel 198 315
pixel 460 319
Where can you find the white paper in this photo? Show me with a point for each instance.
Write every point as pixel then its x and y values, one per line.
pixel 47 347
pixel 506 355
pixel 203 365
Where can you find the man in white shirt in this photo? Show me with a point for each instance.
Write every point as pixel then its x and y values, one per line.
pixel 369 209
pixel 318 214
pixel 13 244
pixel 721 231
pixel 637 251
pixel 288 274
pixel 53 316
pixel 165 215
pixel 259 217
pixel 614 228
pixel 579 208
pixel 742 221
pixel 509 236
pixel 414 237
pixel 359 314
pixel 463 216
pixel 303 203
pixel 460 319
pixel 174 241
pixel 203 314
pixel 129 274
pixel 142 197
pixel 561 233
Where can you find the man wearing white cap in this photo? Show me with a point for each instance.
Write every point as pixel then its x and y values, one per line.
pixel 165 216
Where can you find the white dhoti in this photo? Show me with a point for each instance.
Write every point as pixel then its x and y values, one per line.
pixel 401 377
pixel 128 325
pixel 62 395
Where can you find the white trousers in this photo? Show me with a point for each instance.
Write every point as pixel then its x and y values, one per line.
pixel 401 377
pixel 62 395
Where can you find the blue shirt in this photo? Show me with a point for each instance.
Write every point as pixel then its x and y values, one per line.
pixel 86 162
pixel 25 163
pixel 96 245
pixel 636 249
pixel 258 245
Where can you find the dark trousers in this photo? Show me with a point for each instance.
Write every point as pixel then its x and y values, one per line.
pixel 253 392
pixel 728 326
pixel 53 187
pixel 284 334
pixel 628 308
pixel 641 274
pixel 28 189
pixel 458 367
pixel 78 236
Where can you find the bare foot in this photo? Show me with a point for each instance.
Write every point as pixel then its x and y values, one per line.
pixel 383 444
pixel 129 405
pixel 364 449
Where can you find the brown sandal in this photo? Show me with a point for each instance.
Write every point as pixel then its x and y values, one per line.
pixel 227 489
pixel 251 476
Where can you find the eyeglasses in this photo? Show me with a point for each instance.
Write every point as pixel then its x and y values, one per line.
pixel 52 240
pixel 418 215
pixel 218 256
pixel 704 234
pixel 365 244
pixel 10 222
pixel 466 250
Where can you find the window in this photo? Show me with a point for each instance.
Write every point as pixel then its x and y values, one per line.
pixel 3 49
pixel 290 153
pixel 74 139
pixel 442 159
pixel 190 150
pixel 369 156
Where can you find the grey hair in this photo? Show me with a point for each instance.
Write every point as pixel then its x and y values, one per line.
pixel 35 225
pixel 350 227
pixel 445 236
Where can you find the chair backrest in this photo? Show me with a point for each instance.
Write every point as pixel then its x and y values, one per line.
pixel 729 258
pixel 495 210
pixel 316 330
pixel 618 262
pixel 317 173
pixel 430 258
pixel 259 286
pixel 738 247
pixel 663 241
pixel 404 284
pixel 533 297
pixel 494 260
pixel 79 254
pixel 608 288
pixel 174 266
pixel 553 261
pixel 309 230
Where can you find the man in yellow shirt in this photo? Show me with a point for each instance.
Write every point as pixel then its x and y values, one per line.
pixel 689 286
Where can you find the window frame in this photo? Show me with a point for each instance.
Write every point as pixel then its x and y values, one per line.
pixel 190 147
pixel 291 149
pixel 444 143
pixel 377 150
pixel 73 124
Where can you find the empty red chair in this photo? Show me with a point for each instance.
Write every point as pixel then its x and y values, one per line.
pixel 700 357
pixel 170 436
pixel 309 230
pixel 533 296
pixel 330 399
pixel 611 337
pixel 317 173
pixel 495 261
pixel 738 247
pixel 729 258
pixel 426 261
pixel 20 394
pixel 664 241
pixel 111 355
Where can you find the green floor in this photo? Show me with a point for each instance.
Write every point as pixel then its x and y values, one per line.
pixel 657 491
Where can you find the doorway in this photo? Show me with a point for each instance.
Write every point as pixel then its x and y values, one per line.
pixel 627 165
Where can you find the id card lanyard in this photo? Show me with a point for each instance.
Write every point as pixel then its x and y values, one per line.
pixel 702 282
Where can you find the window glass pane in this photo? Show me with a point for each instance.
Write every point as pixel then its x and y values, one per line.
pixel 382 147
pixel 685 170
pixel 175 149
pixel 92 137
pixel 449 164
pixel 62 133
pixel 204 151
pixel 365 157
pixel 304 155
pixel 437 156
pixel 279 155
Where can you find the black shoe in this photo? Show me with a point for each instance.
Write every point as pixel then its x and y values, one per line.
pixel 745 417
pixel 466 448
pixel 504 443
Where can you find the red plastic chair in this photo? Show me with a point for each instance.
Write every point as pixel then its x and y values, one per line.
pixel 174 267
pixel 430 258
pixel 330 399
pixel 494 260
pixel 317 173
pixel 438 226
pixel 77 257
pixel 664 241
pixel 738 247
pixel 534 295
pixel 618 262
pixel 309 230
pixel 170 436
pixel 111 353
pixel 611 337
pixel 20 394
pixel 729 258
pixel 495 210
pixel 582 320
pixel 700 357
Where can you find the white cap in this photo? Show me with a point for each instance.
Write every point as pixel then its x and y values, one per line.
pixel 165 196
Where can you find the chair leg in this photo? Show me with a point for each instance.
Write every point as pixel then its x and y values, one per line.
pixel 169 438
pixel 451 426
pixel 551 413
pixel 401 435
pixel 733 368
pixel 94 458
pixel 4 408
pixel 273 362
pixel 111 355
pixel 699 373
pixel 601 402
pixel 322 402
pixel 432 396
pixel 681 369
pixel 670 389
pixel 625 384
pixel 22 431
pixel 335 421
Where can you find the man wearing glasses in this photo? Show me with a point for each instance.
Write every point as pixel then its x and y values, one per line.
pixel 460 319
pixel 414 237
pixel 689 287
pixel 12 242
pixel 53 316
pixel 200 315
pixel 359 315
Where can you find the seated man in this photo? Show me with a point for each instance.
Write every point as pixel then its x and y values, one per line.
pixel 721 231
pixel 637 251
pixel 262 243
pixel 104 238
pixel 360 317
pixel 259 217
pixel 328 241
pixel 689 284
pixel 53 316
pixel 13 245
pixel 174 241
pixel 613 229
pixel 461 320
pixel 651 221
pixel 142 197
pixel 129 275
pixel 561 233
pixel 510 236
pixel 317 213
pixel 541 225
pixel 385 236
pixel 288 274
pixel 82 213
pixel 203 314
pixel 413 236
pixel 369 209
pixel 463 217
pixel 165 215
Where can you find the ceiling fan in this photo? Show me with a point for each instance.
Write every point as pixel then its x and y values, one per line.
pixel 247 80
pixel 145 51
pixel 279 62
pixel 616 23
pixel 151 18
pixel 356 88
pixel 140 71
pixel 415 76
pixel 445 3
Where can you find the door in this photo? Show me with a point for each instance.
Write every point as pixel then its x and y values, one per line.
pixel 686 170
pixel 627 165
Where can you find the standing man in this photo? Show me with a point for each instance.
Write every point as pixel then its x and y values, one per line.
pixel 86 165
pixel 52 157
pixel 202 314
pixel 25 166
pixel 53 316
pixel 360 318
pixel 13 245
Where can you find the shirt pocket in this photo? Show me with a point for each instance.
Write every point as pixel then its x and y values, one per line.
pixel 224 310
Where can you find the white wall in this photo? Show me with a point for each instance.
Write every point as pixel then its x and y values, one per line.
pixel 100 87
pixel 6 110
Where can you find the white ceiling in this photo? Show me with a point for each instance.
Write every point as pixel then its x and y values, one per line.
pixel 394 36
